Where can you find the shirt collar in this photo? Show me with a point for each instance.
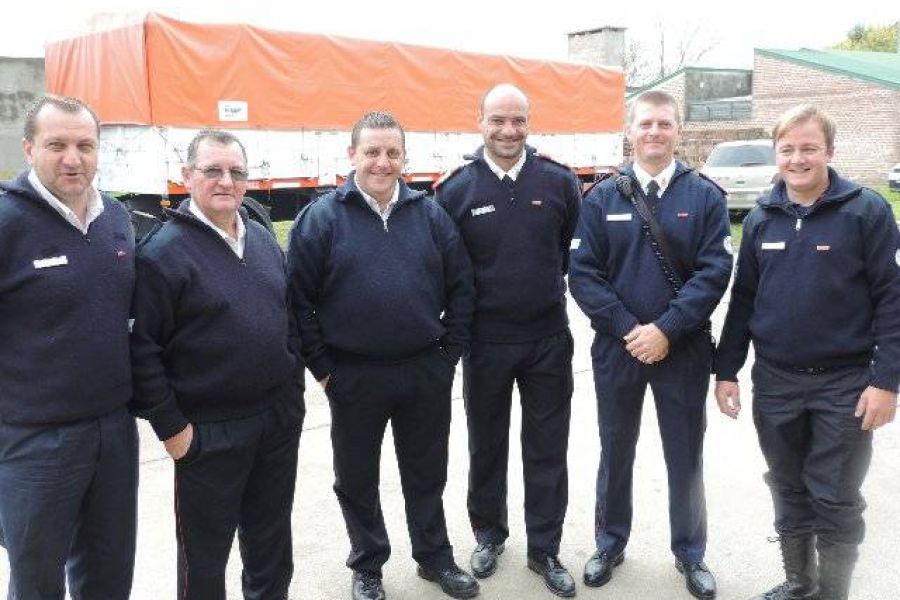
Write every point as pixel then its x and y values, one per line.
pixel 94 204
pixel 513 172
pixel 373 203
pixel 663 179
pixel 241 229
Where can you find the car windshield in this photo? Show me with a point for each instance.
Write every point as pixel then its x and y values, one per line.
pixel 741 156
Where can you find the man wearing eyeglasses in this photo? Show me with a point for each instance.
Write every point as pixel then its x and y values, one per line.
pixel 218 374
pixel 818 291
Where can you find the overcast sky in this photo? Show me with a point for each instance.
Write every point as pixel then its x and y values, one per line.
pixel 534 30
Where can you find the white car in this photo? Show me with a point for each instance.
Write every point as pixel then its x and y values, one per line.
pixel 894 178
pixel 744 169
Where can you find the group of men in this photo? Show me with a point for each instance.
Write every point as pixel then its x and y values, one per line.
pixel 382 291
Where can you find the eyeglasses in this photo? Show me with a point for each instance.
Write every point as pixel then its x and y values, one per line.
pixel 216 173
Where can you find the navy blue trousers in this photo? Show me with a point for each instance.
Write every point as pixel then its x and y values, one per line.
pixel 679 384
pixel 68 506
pixel 817 454
pixel 543 371
pixel 414 395
pixel 238 475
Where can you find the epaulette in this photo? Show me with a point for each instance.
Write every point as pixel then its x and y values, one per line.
pixel 712 181
pixel 601 177
pixel 549 158
pixel 448 174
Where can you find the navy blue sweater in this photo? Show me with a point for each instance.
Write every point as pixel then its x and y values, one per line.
pixel 378 291
pixel 63 327
pixel 615 277
pixel 817 291
pixel 518 239
pixel 212 333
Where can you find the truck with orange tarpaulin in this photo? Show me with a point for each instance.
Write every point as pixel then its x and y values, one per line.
pixel 292 98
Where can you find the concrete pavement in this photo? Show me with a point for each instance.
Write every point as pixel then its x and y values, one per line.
pixel 740 513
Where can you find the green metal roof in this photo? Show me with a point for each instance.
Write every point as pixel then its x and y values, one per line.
pixel 882 68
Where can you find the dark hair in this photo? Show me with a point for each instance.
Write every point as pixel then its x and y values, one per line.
pixel 655 98
pixel 64 103
pixel 376 120
pixel 218 136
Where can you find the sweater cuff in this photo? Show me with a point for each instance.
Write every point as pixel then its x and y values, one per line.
pixel 670 324
pixel 321 367
pixel 167 420
pixel 623 321
pixel 453 352
pixel 884 379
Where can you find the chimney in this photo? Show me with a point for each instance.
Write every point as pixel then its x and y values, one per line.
pixel 603 47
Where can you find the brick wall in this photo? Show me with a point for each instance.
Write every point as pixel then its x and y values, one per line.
pixel 867 144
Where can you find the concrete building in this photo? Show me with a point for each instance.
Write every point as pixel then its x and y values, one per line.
pixel 601 47
pixel 21 81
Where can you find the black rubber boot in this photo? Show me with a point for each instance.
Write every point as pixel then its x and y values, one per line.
pixel 798 552
pixel 836 562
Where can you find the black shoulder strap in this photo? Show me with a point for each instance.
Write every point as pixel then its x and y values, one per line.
pixel 672 267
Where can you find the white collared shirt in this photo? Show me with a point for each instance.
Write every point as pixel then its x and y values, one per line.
pixel 94 204
pixel 500 173
pixel 373 203
pixel 236 245
pixel 663 179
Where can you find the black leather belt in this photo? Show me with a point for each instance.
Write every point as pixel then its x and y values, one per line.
pixel 818 370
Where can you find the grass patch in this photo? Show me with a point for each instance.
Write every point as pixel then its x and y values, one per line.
pixel 282 228
pixel 892 196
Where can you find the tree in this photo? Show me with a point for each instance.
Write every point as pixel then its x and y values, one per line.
pixel 873 38
pixel 664 51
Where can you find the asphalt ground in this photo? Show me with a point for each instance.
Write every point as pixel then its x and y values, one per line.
pixel 739 505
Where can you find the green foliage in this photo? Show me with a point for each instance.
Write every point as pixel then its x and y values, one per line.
pixel 870 39
pixel 893 197
pixel 282 228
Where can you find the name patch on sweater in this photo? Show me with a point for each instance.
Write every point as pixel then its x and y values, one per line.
pixel 482 210
pixel 619 217
pixel 773 245
pixel 53 261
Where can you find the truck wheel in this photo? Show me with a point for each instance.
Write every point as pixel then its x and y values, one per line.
pixel 258 213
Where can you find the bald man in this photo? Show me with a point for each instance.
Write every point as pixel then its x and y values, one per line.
pixel 516 211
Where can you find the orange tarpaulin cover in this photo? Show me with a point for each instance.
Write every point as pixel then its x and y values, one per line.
pixel 161 71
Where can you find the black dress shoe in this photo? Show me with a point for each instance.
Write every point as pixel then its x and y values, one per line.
pixel 700 582
pixel 366 585
pixel 455 582
pixel 555 575
pixel 599 568
pixel 484 559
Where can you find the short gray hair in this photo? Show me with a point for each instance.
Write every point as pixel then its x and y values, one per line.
pixel 218 136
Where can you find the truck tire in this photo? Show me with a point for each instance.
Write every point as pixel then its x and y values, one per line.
pixel 258 213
